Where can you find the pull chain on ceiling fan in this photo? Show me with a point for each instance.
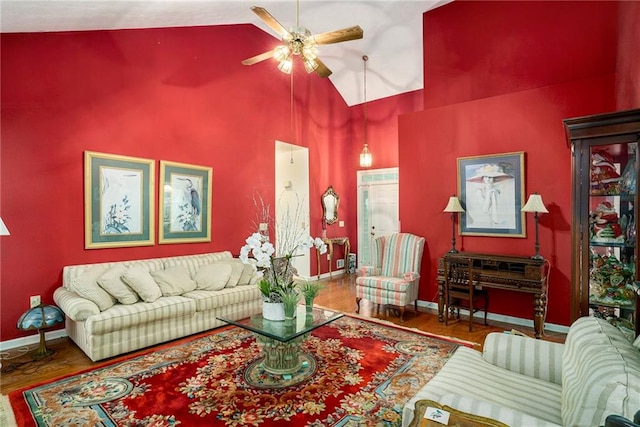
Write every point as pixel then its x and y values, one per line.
pixel 299 41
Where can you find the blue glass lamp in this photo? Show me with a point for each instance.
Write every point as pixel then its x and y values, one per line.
pixel 41 317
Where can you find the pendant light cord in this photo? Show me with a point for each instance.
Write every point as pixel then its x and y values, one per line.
pixel 365 58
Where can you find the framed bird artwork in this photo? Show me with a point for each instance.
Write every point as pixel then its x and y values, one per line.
pixel 185 203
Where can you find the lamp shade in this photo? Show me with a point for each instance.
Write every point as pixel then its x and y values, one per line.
pixel 3 229
pixel 454 205
pixel 535 204
pixel 39 317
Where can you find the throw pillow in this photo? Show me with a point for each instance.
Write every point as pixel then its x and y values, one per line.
pixel 247 272
pixel 174 281
pixel 86 285
pixel 236 271
pixel 141 281
pixel 636 343
pixel 111 281
pixel 213 277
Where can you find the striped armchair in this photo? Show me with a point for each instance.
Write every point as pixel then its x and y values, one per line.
pixel 395 277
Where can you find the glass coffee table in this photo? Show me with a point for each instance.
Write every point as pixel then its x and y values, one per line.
pixel 282 341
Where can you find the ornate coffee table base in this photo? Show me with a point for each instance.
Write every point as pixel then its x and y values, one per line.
pixel 281 358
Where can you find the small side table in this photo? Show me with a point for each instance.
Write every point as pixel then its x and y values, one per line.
pixel 330 241
pixel 41 317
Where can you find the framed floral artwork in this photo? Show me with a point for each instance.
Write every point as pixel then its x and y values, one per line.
pixel 118 199
pixel 185 203
pixel 491 192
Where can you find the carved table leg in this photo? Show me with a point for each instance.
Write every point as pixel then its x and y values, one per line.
pixel 440 302
pixel 539 312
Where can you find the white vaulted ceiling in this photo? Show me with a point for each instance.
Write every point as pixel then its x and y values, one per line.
pixel 392 30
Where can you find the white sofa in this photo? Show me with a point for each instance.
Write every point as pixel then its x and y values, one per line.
pixel 104 324
pixel 522 381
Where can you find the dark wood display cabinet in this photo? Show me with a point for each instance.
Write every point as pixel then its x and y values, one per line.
pixel 605 273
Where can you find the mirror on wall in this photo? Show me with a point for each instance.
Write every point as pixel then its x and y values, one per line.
pixel 330 202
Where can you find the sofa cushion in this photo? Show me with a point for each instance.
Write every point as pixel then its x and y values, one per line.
pixel 534 358
pixel 467 374
pixel 121 316
pixel 174 281
pixel 600 374
pixel 111 281
pixel 210 300
pixel 493 412
pixel 86 285
pixel 213 277
pixel 140 280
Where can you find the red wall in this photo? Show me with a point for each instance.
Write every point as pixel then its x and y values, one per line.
pixel 628 60
pixel 500 77
pixel 176 94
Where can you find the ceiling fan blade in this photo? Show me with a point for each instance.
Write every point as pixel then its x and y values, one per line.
pixel 337 36
pixel 272 22
pixel 322 69
pixel 258 58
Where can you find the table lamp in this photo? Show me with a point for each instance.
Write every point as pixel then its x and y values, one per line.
pixel 454 207
pixel 535 205
pixel 41 317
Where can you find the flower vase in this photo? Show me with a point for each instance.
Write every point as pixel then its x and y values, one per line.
pixel 273 311
pixel 308 302
pixel 290 310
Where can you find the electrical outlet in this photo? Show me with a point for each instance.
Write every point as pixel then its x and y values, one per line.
pixel 34 301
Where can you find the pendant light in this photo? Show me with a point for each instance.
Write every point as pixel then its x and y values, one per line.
pixel 366 159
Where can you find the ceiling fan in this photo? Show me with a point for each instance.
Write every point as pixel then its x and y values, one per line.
pixel 299 41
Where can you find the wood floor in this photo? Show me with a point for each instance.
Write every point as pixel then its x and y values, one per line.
pixel 19 371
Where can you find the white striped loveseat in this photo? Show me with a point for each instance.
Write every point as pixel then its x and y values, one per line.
pixel 522 381
pixel 120 328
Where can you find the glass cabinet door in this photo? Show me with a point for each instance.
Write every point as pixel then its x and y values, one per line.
pixel 612 234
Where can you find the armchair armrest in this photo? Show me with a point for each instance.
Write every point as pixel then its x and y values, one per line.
pixel 528 356
pixel 411 276
pixel 368 271
pixel 74 306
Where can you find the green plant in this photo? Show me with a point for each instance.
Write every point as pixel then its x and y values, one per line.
pixel 290 300
pixel 310 290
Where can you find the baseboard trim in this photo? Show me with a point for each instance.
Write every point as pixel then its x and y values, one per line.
pixel 31 339
pixel 518 321
pixel 340 272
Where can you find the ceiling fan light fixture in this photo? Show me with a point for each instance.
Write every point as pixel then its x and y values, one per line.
pixel 310 51
pixel 286 66
pixel 310 65
pixel 281 53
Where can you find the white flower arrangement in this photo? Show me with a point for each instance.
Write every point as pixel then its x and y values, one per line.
pixel 276 262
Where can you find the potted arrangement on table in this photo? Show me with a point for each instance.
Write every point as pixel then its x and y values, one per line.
pixel 278 287
pixel 310 291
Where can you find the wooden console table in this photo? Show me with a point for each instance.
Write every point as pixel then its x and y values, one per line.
pixel 330 241
pixel 520 274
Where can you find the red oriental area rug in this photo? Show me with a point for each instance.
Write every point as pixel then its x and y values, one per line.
pixel 355 373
